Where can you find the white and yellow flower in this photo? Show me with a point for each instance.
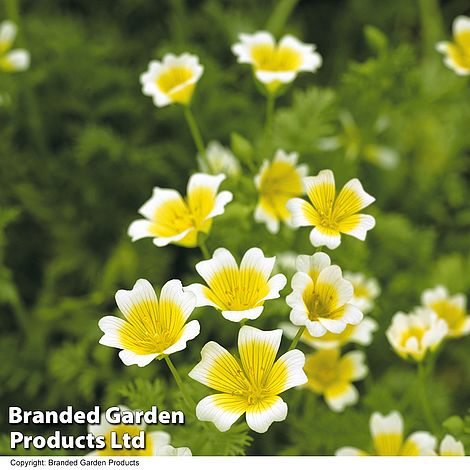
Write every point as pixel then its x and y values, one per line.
pixel 219 159
pixel 172 80
pixel 15 60
pixel 238 292
pixel 451 447
pixel 274 63
pixel 413 335
pixel 387 435
pixel 320 298
pixel 251 384
pixel 277 182
pixel 331 375
pixel 457 52
pixel 171 219
pixel 366 290
pixel 156 443
pixel 362 334
pixel 452 309
pixel 151 327
pixel 331 215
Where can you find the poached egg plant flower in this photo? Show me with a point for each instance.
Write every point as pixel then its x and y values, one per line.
pixel 277 182
pixel 151 327
pixel 452 309
pixel 413 335
pixel 171 80
pixel 387 436
pixel 331 214
pixel 238 292
pixel 171 219
pixel 251 384
pixel 366 290
pixel 15 60
pixel 320 298
pixel 457 52
pixel 331 375
pixel 451 447
pixel 275 64
pixel 156 443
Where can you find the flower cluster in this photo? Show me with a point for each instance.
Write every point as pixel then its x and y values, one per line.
pixel 11 60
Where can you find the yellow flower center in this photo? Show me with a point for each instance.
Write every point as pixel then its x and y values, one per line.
pixel 173 77
pixel 152 327
pixel 412 332
pixel 451 313
pixel 120 429
pixel 237 289
pixel 320 300
pixel 276 58
pixel 459 51
pixel 323 369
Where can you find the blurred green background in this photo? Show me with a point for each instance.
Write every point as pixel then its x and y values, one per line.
pixel 81 149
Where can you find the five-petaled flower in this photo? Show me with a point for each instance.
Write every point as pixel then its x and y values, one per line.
pixel 151 327
pixel 413 335
pixel 172 80
pixel 452 309
pixel 320 297
pixel 15 60
pixel 156 442
pixel 276 64
pixel 331 375
pixel 251 384
pixel 277 182
pixel 362 334
pixel 239 292
pixel 457 53
pixel 171 219
pixel 387 435
pixel 331 215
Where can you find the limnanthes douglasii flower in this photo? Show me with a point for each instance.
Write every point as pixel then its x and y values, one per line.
pixel 11 60
pixel 274 63
pixel 151 327
pixel 171 219
pixel 413 335
pixel 251 384
pixel 451 308
pixel 388 439
pixel 331 214
pixel 320 298
pixel 239 292
pixel 171 80
pixel 277 182
pixel 457 52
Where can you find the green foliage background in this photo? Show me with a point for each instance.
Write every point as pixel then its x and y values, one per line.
pixel 81 149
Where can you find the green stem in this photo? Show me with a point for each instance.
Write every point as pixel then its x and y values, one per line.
pixel 243 322
pixel 269 115
pixel 204 250
pixel 280 15
pixel 424 399
pixel 180 384
pixel 195 132
pixel 296 338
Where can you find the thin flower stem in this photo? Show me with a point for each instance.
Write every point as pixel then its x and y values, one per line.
pixel 195 132
pixel 204 250
pixel 296 338
pixel 179 382
pixel 424 399
pixel 243 322
pixel 269 114
pixel 319 249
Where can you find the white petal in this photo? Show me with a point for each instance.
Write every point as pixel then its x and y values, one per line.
pixel 315 328
pixel 333 276
pixel 461 24
pixel 248 335
pixel 389 424
pixel 254 259
pixel 315 263
pixel 259 418
pixel 170 451
pixel 276 284
pixel 298 208
pixel 338 402
pixel 425 442
pixel 268 77
pixel 359 367
pixel 348 452
pixel 130 358
pixel 221 259
pixel 335 326
pixel 207 410
pixel 221 200
pixel 110 326
pixel 164 241
pixel 294 361
pixel 261 216
pixel 18 59
pixel 451 446
pixel 142 292
pixel 211 182
pixel 159 439
pixel 8 31
pixel 190 331
pixel 430 296
pixel 298 317
pixel 159 197
pixel 199 290
pixel 319 238
pixel 173 292
pixel 363 332
pixel 239 315
pixel 140 229
pixel 366 223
